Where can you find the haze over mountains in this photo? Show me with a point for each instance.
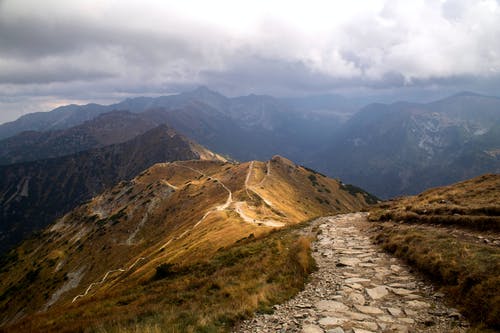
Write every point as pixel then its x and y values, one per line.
pixel 389 149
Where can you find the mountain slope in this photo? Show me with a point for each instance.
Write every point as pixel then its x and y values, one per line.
pixel 452 234
pixel 404 148
pixel 104 130
pixel 33 194
pixel 179 213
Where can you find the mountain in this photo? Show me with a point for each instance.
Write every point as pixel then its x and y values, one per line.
pixel 388 149
pixel 33 194
pixel 246 127
pixel 104 130
pixel 177 214
pixel 404 148
pixel 59 118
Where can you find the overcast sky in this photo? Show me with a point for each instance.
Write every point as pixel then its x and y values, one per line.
pixel 56 52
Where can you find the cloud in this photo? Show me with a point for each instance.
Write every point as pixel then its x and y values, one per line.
pixel 117 47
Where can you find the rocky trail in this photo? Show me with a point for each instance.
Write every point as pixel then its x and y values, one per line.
pixel 357 289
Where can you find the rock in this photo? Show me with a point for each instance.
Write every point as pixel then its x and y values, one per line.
pixel 386 319
pixel 360 330
pixel 336 330
pixel 357 315
pixel 357 298
pixel 407 320
pixel 368 309
pixel 311 329
pixel 410 312
pixel 399 328
pixel 395 312
pixel 331 322
pixel 348 262
pixel 356 280
pixel 332 306
pixel 355 286
pixel 377 292
pixel 368 325
pixel 401 291
pixel 418 304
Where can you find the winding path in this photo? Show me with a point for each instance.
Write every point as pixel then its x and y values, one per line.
pixel 358 289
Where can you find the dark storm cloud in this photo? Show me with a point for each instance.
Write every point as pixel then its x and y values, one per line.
pixel 102 50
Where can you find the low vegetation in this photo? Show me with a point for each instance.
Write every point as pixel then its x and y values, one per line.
pixel 444 233
pixel 207 296
pixel 469 273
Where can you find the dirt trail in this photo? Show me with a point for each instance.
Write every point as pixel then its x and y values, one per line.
pixel 358 289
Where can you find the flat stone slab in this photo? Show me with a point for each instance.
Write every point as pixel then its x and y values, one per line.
pixel 377 292
pixel 348 262
pixel 401 291
pixel 368 309
pixel 331 322
pixel 357 280
pixel 418 304
pixel 395 312
pixel 311 329
pixel 331 306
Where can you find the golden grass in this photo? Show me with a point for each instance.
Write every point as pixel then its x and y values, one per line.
pixel 207 296
pixel 468 271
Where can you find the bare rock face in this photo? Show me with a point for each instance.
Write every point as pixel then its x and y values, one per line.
pixel 358 289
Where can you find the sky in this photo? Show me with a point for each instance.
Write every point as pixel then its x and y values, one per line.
pixel 56 52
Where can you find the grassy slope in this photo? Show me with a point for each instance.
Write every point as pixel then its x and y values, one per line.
pixel 95 238
pixel 468 271
pixel 205 296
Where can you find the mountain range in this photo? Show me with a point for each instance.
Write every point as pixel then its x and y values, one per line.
pixel 33 194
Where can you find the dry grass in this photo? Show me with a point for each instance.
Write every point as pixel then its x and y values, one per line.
pixel 467 270
pixel 207 296
pixel 468 273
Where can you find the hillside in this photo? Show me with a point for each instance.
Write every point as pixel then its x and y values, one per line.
pixel 170 224
pixel 405 148
pixel 33 194
pixel 452 234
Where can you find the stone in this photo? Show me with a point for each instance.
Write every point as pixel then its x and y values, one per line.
pixel 418 304
pixel 356 280
pixel 311 329
pixel 407 320
pixel 368 309
pixel 331 322
pixel 401 291
pixel 367 325
pixel 348 262
pixel 357 298
pixel 357 315
pixel 399 328
pixel 360 330
pixel 336 330
pixel 386 318
pixel 355 286
pixel 410 312
pixel 377 292
pixel 395 312
pixel 332 306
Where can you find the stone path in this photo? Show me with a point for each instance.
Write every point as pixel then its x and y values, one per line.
pixel 358 289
